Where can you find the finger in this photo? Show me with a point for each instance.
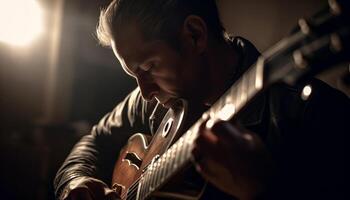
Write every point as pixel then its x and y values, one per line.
pixel 226 130
pixel 204 140
pixel 247 135
pixel 219 131
pixel 101 190
pixel 204 146
pixel 197 155
pixel 206 167
pixel 205 133
pixel 203 152
pixel 111 194
pixel 228 133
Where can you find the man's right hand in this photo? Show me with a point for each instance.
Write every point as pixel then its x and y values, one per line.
pixel 87 188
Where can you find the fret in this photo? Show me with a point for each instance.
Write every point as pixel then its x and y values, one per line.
pixel 146 185
pixel 164 168
pixel 160 171
pixel 220 103
pixel 151 186
pixel 181 150
pixel 187 146
pixel 138 190
pixel 259 75
pixel 229 97
pixel 226 112
pixel 153 181
pixel 237 96
pixel 176 155
pixel 168 162
pixel 156 174
pixel 243 86
pixel 173 157
pixel 147 180
pixel 233 96
pixel 251 82
pixel 141 187
pixel 161 168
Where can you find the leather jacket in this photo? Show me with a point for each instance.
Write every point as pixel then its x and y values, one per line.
pixel 306 138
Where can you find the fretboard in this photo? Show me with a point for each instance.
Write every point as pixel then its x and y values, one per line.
pixel 302 53
pixel 179 154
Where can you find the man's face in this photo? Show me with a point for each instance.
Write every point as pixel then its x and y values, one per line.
pixel 161 71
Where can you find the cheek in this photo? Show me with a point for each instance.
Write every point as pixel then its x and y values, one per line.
pixel 170 86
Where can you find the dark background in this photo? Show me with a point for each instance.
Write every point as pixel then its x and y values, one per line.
pixel 54 90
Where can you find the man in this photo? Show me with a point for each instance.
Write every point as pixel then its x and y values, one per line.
pixel 287 149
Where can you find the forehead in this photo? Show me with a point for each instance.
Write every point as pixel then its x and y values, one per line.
pixel 132 50
pixel 127 44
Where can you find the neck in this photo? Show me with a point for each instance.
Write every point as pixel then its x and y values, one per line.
pixel 222 61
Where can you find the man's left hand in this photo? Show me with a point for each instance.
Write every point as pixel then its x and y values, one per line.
pixel 234 160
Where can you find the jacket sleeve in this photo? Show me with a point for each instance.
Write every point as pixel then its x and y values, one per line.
pixel 95 154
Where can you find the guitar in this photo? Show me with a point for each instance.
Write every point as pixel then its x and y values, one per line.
pixel 143 167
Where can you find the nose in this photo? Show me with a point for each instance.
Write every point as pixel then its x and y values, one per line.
pixel 147 86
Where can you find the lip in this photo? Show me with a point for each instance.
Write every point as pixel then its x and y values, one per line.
pixel 167 103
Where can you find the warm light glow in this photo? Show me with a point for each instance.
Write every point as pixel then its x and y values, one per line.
pixel 226 112
pixel 210 123
pixel 306 92
pixel 21 21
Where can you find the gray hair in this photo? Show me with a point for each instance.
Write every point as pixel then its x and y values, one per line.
pixel 158 19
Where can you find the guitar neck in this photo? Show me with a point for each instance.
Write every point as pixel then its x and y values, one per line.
pixel 301 54
pixel 179 154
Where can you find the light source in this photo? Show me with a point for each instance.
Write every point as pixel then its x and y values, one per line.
pixel 21 21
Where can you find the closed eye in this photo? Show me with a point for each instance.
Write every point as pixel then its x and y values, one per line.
pixel 147 67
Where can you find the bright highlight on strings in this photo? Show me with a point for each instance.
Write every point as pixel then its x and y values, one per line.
pixel 21 21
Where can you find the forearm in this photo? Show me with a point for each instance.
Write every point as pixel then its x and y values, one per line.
pixel 80 162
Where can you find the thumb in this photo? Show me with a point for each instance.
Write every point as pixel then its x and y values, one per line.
pixel 111 194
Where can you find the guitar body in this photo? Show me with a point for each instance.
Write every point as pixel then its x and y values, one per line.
pixel 127 169
pixel 141 150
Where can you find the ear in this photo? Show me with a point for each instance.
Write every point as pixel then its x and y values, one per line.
pixel 195 33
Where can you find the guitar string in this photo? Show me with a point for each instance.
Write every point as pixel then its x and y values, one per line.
pixel 132 192
pixel 136 182
pixel 134 187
